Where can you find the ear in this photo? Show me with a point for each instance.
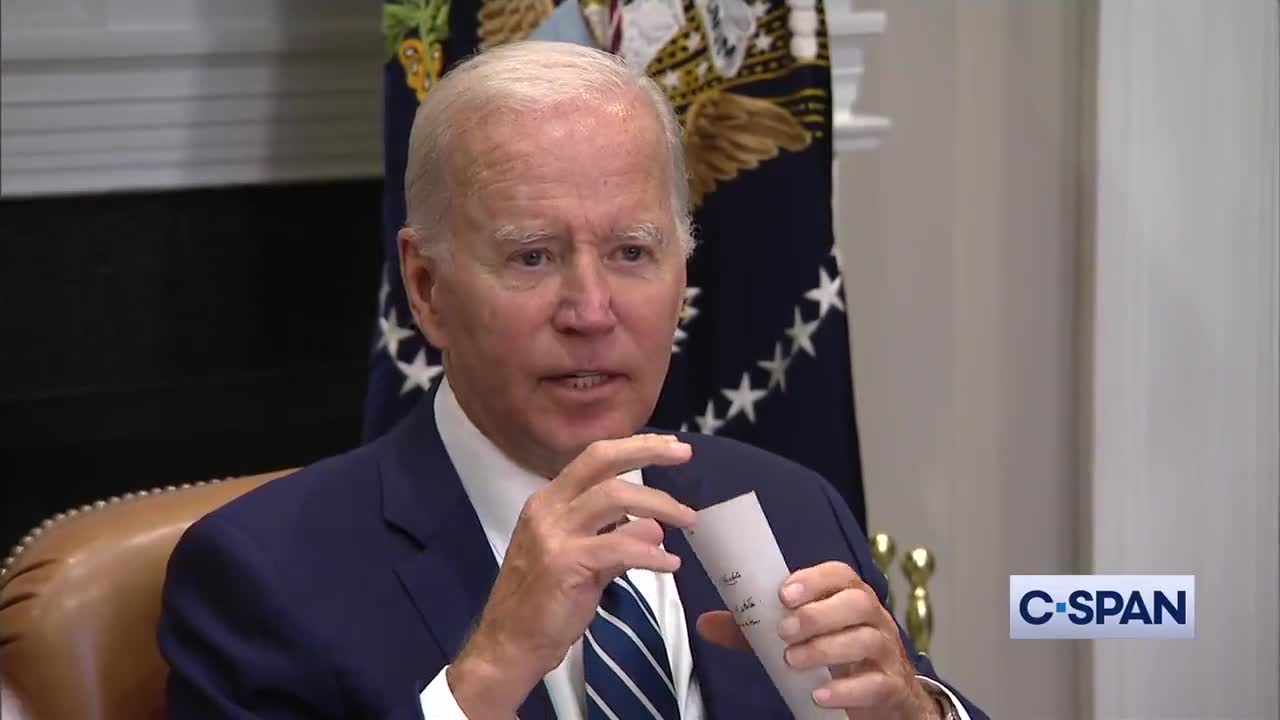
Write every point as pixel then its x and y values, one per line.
pixel 680 300
pixel 421 278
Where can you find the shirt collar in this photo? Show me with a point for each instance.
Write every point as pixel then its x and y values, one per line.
pixel 495 484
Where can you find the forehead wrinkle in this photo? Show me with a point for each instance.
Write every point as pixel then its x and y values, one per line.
pixel 487 148
pixel 483 153
pixel 489 168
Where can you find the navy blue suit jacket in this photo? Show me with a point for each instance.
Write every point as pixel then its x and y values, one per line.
pixel 341 590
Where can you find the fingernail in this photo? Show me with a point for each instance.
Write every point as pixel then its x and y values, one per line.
pixel 791 594
pixel 821 695
pixel 788 627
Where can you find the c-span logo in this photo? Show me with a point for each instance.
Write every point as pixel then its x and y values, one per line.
pixel 1092 607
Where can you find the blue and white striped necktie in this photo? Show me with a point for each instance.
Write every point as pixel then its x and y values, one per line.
pixel 624 660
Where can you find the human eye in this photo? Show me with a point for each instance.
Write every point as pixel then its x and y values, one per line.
pixel 532 258
pixel 634 252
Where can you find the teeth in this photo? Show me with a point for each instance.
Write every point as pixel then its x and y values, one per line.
pixel 584 382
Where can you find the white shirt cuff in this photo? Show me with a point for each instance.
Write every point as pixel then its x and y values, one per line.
pixel 438 702
pixel 955 701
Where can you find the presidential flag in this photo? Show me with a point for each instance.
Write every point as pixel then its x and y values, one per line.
pixel 761 352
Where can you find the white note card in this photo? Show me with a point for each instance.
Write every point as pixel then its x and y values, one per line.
pixel 737 548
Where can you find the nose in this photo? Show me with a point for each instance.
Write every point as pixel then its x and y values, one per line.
pixel 586 302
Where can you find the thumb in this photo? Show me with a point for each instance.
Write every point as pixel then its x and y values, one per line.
pixel 717 626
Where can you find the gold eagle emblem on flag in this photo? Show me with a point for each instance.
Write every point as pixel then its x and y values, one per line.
pixel 726 131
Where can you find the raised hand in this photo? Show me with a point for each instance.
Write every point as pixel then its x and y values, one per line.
pixel 567 545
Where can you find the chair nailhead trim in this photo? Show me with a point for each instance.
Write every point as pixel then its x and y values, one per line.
pixel 100 504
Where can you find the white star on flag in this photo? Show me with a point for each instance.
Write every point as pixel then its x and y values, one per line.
pixel 827 294
pixel 759 8
pixel 801 334
pixel 384 290
pixel 687 310
pixel 743 399
pixel 709 423
pixel 671 79
pixel 763 42
pixel 680 336
pixel 391 333
pixel 777 368
pixel 693 41
pixel 418 373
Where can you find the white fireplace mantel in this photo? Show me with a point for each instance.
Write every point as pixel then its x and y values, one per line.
pixel 108 95
pixel 116 95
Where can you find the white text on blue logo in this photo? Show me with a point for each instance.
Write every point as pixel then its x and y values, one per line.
pixel 1101 606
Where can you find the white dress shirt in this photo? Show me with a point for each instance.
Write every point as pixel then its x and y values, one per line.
pixel 498 489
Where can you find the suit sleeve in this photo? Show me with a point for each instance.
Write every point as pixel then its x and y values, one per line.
pixel 871 574
pixel 235 646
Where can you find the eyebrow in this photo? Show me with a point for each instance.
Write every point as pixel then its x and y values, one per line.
pixel 510 234
pixel 643 233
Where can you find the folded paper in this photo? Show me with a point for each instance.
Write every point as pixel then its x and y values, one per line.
pixel 737 548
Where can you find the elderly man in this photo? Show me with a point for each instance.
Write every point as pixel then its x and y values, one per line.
pixel 477 561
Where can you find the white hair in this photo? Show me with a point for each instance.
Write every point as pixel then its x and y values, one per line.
pixel 517 79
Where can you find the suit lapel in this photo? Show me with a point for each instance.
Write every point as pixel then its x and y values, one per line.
pixel 733 683
pixel 449 580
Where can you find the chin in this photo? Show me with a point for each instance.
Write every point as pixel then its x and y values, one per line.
pixel 573 435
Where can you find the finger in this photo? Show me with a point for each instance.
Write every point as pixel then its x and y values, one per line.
pixel 718 626
pixel 817 582
pixel 608 458
pixel 867 689
pixel 845 609
pixel 645 530
pixel 611 499
pixel 612 554
pixel 844 647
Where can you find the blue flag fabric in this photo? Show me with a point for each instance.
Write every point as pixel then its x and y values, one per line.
pixel 761 353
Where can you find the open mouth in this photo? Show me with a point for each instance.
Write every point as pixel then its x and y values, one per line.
pixel 586 380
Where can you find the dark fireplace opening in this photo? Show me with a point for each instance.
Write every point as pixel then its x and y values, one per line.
pixel 155 338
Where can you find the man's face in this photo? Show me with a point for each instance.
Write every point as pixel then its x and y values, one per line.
pixel 557 308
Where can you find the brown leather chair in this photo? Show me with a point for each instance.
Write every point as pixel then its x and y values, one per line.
pixel 79 602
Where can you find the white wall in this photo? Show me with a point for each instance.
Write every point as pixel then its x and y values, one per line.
pixel 1185 357
pixel 959 246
